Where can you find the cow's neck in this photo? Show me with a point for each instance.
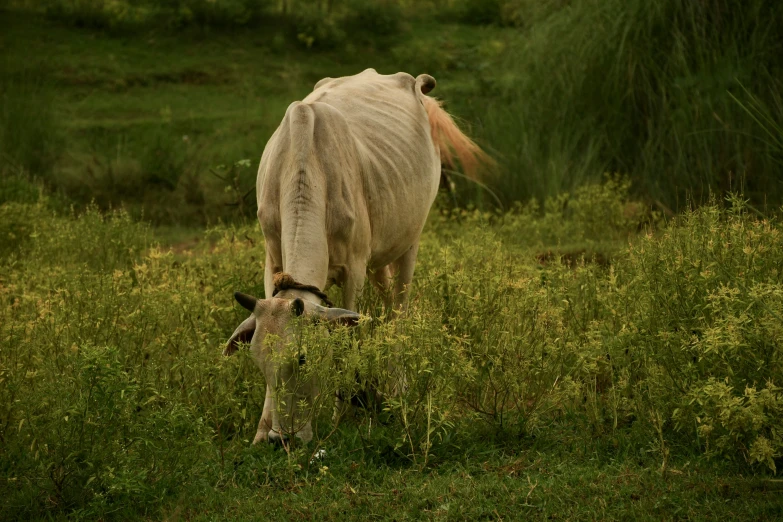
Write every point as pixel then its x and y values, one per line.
pixel 305 252
pixel 305 249
pixel 303 203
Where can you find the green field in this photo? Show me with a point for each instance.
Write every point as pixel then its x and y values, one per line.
pixel 142 122
pixel 541 384
pixel 579 346
pixel 132 106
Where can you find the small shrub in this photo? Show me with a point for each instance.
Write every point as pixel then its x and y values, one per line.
pixel 157 177
pixel 224 13
pixel 481 12
pixel 372 20
pixel 17 187
pixel 311 27
pixel 116 16
pixel 128 16
pixel 17 225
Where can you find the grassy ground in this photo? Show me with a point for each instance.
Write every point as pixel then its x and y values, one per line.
pixel 577 359
pixel 528 485
pixel 540 386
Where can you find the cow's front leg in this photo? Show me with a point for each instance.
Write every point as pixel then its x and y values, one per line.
pixel 289 401
pixel 267 417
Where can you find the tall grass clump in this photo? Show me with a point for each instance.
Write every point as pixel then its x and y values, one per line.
pixel 643 88
pixel 31 136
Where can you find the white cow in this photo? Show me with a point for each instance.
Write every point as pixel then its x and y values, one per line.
pixel 344 188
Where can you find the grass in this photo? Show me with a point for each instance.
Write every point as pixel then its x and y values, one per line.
pixel 141 120
pixel 660 97
pixel 538 485
pixel 644 88
pixel 575 356
pixel 570 389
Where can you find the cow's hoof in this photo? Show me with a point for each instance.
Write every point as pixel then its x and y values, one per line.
pixel 277 439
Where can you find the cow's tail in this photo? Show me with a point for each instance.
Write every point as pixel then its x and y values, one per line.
pixel 453 144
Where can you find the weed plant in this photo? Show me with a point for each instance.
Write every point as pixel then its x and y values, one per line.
pixel 115 400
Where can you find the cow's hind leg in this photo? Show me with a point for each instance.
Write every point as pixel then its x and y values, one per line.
pixel 352 287
pixel 404 276
pixel 382 282
pixel 404 267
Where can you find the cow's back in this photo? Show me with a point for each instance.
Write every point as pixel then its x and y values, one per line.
pixel 351 169
pixel 400 167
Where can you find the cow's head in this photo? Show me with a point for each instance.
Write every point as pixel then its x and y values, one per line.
pixel 280 318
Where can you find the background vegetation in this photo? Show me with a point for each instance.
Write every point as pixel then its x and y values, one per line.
pixel 135 102
pixel 579 346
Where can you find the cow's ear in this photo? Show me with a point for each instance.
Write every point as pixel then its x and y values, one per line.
pixel 342 316
pixel 297 307
pixel 333 315
pixel 243 334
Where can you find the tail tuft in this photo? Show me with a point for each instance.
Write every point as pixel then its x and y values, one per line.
pixel 452 142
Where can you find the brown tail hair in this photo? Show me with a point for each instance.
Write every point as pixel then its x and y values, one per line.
pixel 452 142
